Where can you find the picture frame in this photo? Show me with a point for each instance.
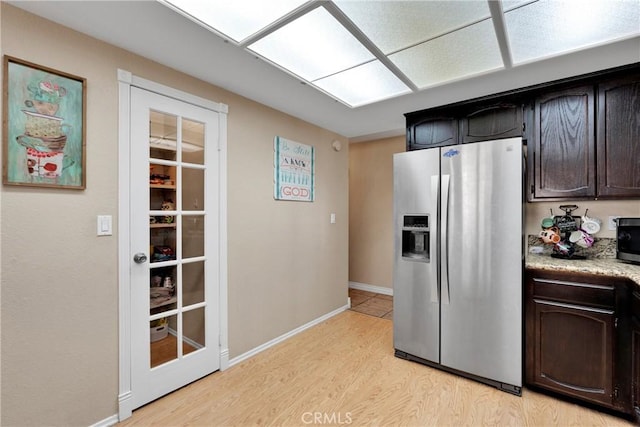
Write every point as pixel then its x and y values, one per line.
pixel 293 170
pixel 44 126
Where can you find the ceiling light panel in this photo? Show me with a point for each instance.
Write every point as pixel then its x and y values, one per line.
pixel 362 85
pixel 395 25
pixel 313 46
pixel 470 51
pixel 236 19
pixel 548 28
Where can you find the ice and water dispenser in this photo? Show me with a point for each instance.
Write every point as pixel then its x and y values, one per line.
pixel 415 237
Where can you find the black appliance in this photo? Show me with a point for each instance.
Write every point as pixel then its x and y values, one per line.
pixel 628 239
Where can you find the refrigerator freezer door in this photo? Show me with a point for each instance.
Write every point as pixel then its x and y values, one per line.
pixel 481 331
pixel 415 288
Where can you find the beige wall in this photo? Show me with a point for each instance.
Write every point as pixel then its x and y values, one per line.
pixel 287 264
pixel 535 212
pixel 371 211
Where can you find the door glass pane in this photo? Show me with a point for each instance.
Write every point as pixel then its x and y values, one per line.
pixel 162 241
pixel 193 189
pixel 192 283
pixel 192 142
pixel 162 290
pixel 163 345
pixel 163 133
pixel 192 236
pixel 193 330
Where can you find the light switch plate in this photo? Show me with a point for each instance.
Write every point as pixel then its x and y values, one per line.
pixel 332 218
pixel 105 225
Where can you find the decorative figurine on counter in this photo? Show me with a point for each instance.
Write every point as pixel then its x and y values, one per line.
pixel 566 233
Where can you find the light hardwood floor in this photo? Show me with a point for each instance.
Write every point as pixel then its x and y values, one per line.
pixel 343 372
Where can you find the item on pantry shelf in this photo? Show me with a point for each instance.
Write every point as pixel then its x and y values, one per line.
pixel 156 281
pixel 168 205
pixel 163 253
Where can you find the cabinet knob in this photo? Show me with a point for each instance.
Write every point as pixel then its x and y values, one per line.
pixel 140 258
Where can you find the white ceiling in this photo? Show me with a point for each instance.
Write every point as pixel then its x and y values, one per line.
pixel 155 31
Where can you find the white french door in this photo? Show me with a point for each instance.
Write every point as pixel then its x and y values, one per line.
pixel 174 250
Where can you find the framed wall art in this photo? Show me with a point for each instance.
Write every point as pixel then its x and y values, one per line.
pixel 294 170
pixel 43 126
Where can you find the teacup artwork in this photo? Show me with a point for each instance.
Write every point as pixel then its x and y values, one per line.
pixel 45 127
pixel 46 108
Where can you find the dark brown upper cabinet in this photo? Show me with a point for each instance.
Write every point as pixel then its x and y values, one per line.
pixel 495 121
pixel 432 131
pixel 619 137
pixel 582 133
pixel 564 145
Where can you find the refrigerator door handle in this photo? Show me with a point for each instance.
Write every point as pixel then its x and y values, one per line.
pixel 444 239
pixel 435 184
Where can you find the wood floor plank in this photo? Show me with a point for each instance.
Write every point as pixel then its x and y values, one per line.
pixel 344 372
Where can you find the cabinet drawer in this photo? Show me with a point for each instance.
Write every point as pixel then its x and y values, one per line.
pixel 590 294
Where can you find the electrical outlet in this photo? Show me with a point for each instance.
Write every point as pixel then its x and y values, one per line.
pixel 612 222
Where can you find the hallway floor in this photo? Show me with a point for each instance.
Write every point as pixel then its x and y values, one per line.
pixel 370 303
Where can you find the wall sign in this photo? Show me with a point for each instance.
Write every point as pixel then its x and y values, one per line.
pixel 294 168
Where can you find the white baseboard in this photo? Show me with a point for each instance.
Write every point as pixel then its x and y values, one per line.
pixel 283 337
pixel 224 359
pixel 107 422
pixel 125 405
pixel 371 288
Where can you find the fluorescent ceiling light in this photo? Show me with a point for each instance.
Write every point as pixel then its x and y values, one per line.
pixel 396 25
pixel 470 51
pixel 363 85
pixel 236 19
pixel 548 28
pixel 363 51
pixel 313 46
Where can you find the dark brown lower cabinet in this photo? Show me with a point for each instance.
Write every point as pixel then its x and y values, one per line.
pixel 635 353
pixel 577 343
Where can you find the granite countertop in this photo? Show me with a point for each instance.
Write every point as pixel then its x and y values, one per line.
pixel 602 266
pixel 601 260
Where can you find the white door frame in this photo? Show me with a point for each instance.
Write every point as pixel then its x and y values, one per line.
pixel 125 81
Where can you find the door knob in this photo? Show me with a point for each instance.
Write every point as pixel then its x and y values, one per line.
pixel 140 258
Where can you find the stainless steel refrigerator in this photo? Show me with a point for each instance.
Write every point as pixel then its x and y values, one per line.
pixel 457 281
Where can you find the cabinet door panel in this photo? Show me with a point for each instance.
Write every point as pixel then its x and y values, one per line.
pixel 635 354
pixel 574 353
pixel 635 364
pixel 564 157
pixel 619 138
pixel 492 122
pixel 433 132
